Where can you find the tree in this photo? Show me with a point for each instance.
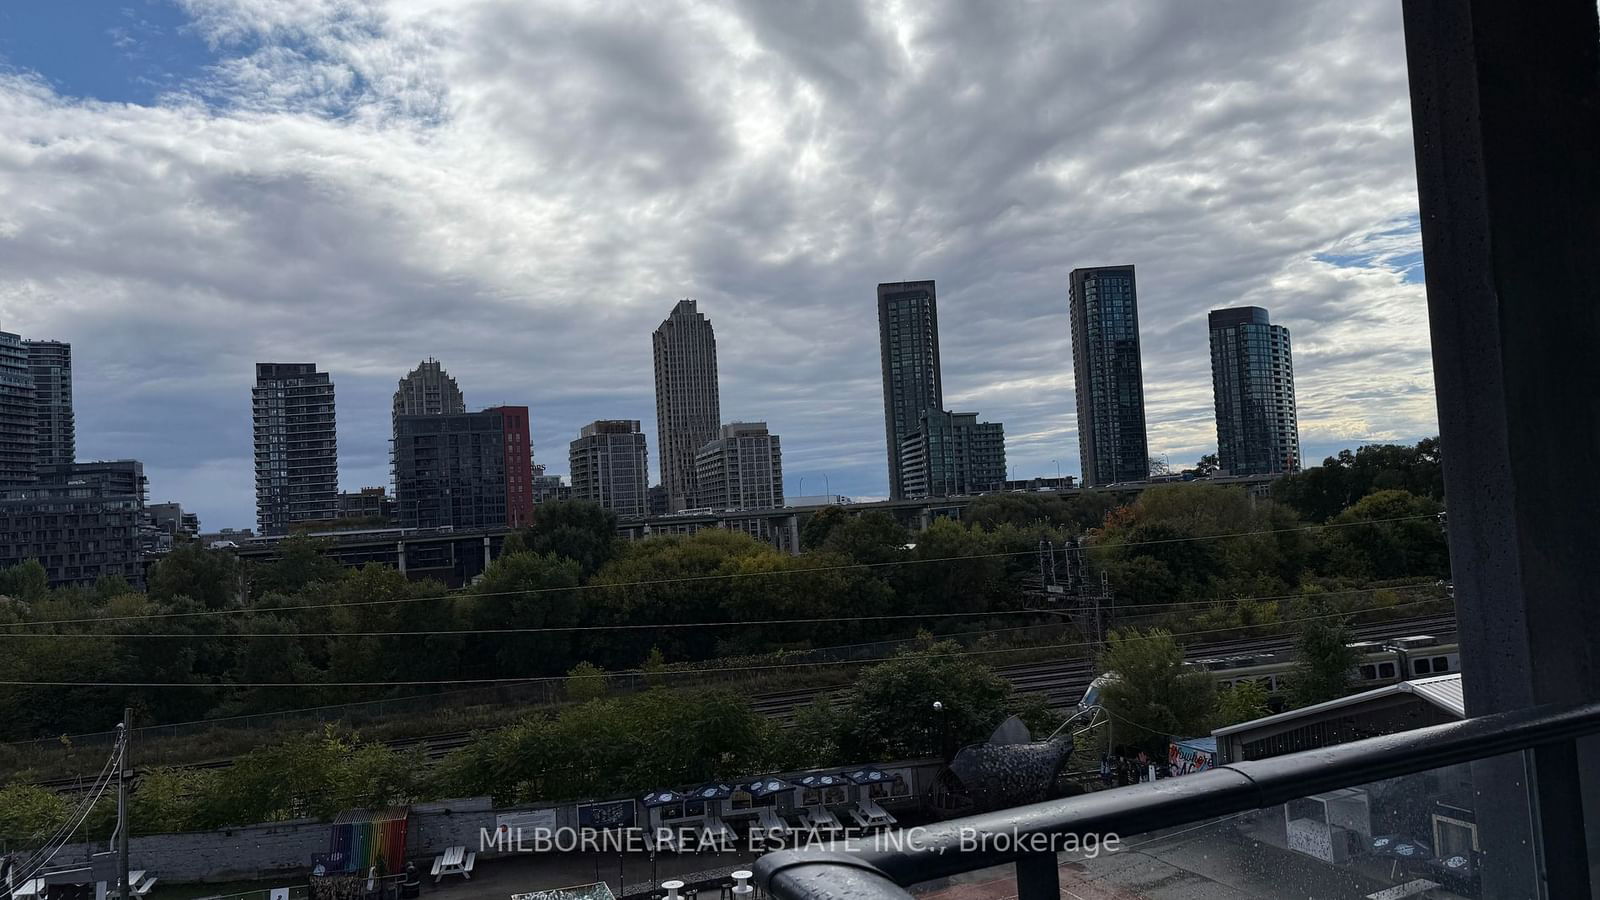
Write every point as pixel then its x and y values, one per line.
pixel 316 775
pixel 872 538
pixel 1073 514
pixel 376 599
pixel 1243 702
pixel 1176 525
pixel 627 743
pixel 892 713
pixel 580 531
pixel 1388 534
pixel 27 580
pixel 585 681
pixel 819 525
pixel 952 570
pixel 1324 665
pixel 654 668
pixel 1154 696
pixel 677 580
pixel 1207 461
pixel 1321 493
pixel 819 729
pixel 525 590
pixel 772 585
pixel 174 800
pixel 208 577
pixel 301 562
pixel 29 813
pixel 107 587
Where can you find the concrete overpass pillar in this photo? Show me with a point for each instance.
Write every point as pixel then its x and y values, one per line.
pixel 400 556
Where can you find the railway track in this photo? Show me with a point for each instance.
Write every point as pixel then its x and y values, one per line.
pixel 1062 683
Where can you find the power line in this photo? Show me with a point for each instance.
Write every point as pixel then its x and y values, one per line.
pixel 750 623
pixel 558 629
pixel 687 579
pixel 70 825
pixel 344 707
pixel 641 672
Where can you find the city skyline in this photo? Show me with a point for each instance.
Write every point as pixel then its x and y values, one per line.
pixel 409 223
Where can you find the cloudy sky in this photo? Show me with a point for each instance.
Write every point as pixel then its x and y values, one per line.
pixel 524 189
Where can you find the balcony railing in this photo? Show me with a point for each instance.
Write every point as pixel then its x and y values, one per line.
pixel 868 869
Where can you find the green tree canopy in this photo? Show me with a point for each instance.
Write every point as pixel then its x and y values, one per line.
pixel 301 562
pixel 27 581
pixel 675 579
pixel 210 577
pixel 524 590
pixel 891 709
pixel 580 531
pixel 1387 534
pixel 872 538
pixel 1154 696
pixel 585 681
pixel 29 814
pixel 819 525
pixel 1324 665
pixel 1321 493
pixel 1242 702
pixel 628 743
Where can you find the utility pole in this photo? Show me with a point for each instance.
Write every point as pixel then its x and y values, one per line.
pixel 124 770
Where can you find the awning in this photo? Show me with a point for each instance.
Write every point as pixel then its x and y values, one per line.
pixel 661 798
pixel 715 790
pixel 766 787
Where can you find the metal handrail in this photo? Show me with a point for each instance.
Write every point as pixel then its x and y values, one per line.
pixel 880 869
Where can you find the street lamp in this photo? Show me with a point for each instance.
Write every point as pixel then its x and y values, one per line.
pixel 938 707
pixel 1058 468
pixel 827 488
pixel 802 490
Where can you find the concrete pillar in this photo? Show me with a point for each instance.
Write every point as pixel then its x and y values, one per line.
pixel 486 556
pixel 400 556
pixel 1506 116
pixel 794 534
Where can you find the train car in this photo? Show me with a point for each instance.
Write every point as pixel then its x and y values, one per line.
pixel 1378 663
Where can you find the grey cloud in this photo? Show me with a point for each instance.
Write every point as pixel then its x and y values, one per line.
pixel 523 190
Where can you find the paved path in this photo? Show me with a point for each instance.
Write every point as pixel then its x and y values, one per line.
pixel 500 878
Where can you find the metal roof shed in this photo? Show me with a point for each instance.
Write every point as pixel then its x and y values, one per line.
pixel 1386 710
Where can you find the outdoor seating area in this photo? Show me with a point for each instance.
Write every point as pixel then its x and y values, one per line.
pixel 140 884
pixel 454 861
pixel 822 803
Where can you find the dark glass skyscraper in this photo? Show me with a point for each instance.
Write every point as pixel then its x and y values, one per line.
pixel 19 430
pixel 1252 377
pixel 1104 305
pixel 908 338
pixel 50 363
pixel 297 448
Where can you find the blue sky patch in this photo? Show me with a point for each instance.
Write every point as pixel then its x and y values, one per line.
pixel 120 51
pixel 1397 247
